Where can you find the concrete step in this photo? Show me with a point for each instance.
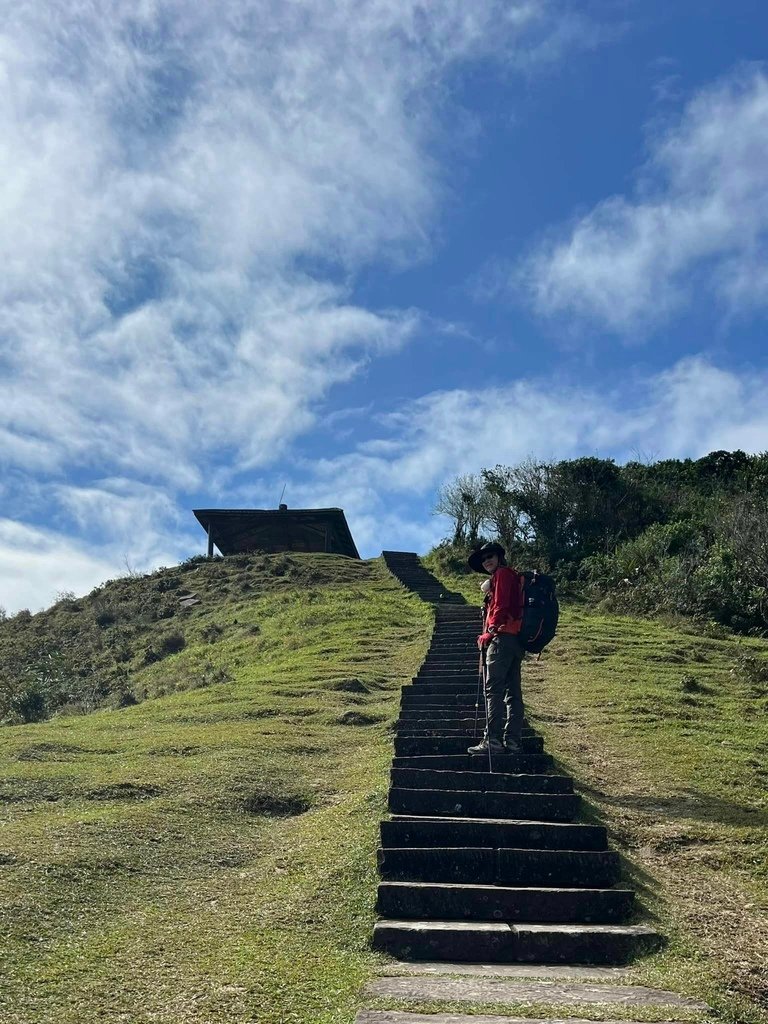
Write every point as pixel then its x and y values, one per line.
pixel 410 729
pixel 449 655
pixel 506 991
pixel 447 715
pixel 507 763
pixel 463 644
pixel 449 666
pixel 479 942
pixel 422 831
pixel 478 865
pixel 480 781
pixel 436 901
pixel 405 1017
pixel 473 804
pixel 444 683
pixel 414 720
pixel 436 713
pixel 467 725
pixel 414 696
pixel 406 746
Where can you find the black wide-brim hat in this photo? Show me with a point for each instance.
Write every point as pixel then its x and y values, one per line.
pixel 475 560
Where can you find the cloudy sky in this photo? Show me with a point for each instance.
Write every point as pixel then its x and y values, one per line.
pixel 356 247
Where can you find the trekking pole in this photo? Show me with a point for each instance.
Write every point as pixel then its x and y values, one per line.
pixel 479 689
pixel 487 716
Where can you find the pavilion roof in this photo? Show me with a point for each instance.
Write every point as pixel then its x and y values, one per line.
pixel 235 530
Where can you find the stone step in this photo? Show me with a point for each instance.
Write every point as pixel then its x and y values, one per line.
pixel 478 865
pixel 480 781
pixel 445 719
pixel 473 804
pixel 447 650
pixel 406 746
pixel 507 763
pixel 447 715
pixel 486 941
pixel 507 991
pixel 458 627
pixel 438 730
pixel 451 671
pixel 447 727
pixel 437 721
pixel 463 643
pixel 437 713
pixel 443 684
pixel 450 718
pixel 449 666
pixel 422 831
pixel 414 696
pixel 405 1017
pixel 469 680
pixel 552 972
pixel 471 902
pixel 447 655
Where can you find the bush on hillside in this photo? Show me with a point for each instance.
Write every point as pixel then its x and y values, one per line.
pixel 676 537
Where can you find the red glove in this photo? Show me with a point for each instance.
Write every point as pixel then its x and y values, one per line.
pixel 484 639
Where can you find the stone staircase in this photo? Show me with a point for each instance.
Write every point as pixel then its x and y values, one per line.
pixel 486 862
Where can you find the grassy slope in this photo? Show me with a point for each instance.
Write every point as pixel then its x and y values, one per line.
pixel 209 856
pixel 668 742
pixel 155 865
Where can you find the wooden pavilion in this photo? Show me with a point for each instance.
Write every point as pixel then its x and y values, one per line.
pixel 234 531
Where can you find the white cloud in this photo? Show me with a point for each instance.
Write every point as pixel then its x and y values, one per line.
pixel 186 192
pixel 168 171
pixel 36 565
pixel 697 222
pixel 388 487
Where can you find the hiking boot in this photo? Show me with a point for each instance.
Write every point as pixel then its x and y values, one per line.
pixel 512 747
pixel 496 747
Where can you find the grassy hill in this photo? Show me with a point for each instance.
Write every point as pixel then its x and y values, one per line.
pixel 207 854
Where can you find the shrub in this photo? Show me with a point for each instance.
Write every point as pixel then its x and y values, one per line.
pixel 171 643
pixel 211 632
pixel 752 670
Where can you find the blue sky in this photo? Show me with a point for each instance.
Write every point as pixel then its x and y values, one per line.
pixel 358 248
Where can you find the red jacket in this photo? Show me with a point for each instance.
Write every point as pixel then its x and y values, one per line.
pixel 504 611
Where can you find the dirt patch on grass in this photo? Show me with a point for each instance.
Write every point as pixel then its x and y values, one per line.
pixel 358 718
pixel 348 686
pixel 276 804
pixel 124 791
pixel 48 752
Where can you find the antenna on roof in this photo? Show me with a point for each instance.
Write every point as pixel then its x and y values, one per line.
pixel 280 503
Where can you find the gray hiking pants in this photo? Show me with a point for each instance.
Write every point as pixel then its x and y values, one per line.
pixel 503 689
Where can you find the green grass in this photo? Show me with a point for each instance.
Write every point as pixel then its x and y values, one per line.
pixel 664 730
pixel 209 855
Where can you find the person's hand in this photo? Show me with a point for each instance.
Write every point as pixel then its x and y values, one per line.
pixel 484 639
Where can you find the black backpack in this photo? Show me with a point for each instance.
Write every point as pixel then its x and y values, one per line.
pixel 540 611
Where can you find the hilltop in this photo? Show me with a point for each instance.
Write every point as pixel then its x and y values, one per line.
pixel 112 647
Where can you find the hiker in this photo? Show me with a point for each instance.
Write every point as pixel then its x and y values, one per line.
pixel 502 652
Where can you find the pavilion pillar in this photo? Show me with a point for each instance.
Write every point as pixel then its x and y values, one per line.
pixel 210 542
